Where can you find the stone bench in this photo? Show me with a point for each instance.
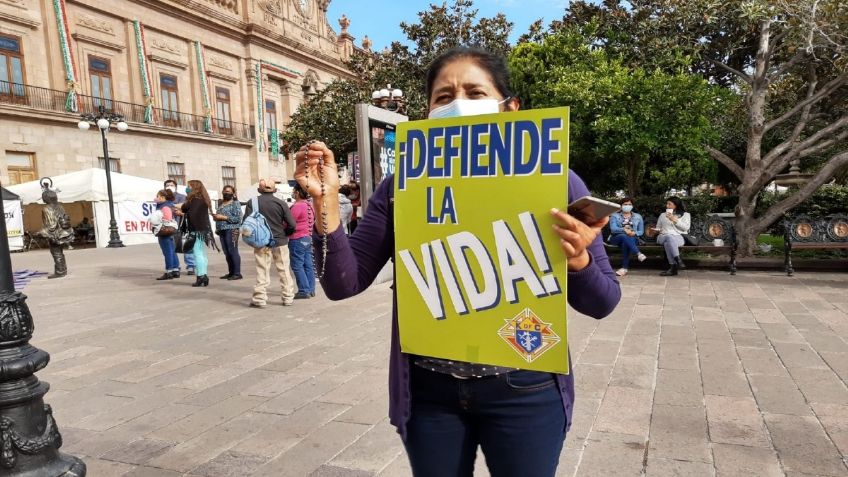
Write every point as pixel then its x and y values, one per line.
pixel 706 229
pixel 813 233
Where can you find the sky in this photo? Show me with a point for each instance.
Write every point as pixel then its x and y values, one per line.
pixel 379 19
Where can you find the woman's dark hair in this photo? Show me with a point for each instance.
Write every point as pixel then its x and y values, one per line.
pixel 492 63
pixel 299 192
pixel 167 194
pixel 678 205
pixel 626 200
pixel 198 191
pixel 345 189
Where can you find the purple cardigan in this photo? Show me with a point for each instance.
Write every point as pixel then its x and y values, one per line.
pixel 353 264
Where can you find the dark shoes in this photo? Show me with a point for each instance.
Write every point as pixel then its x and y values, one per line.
pixel 237 276
pixel 189 271
pixel 679 262
pixel 225 277
pixel 672 271
pixel 167 276
pixel 302 296
pixel 56 275
pixel 202 281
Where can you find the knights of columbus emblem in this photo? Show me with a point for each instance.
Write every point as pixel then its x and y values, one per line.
pixel 528 335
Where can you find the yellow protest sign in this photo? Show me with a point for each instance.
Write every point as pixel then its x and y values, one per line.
pixel 480 275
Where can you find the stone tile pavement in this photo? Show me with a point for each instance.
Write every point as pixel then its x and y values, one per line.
pixel 699 375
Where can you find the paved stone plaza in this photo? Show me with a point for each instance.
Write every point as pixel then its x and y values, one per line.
pixel 700 375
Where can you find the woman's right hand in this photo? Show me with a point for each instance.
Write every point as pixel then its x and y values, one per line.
pixel 314 162
pixel 313 158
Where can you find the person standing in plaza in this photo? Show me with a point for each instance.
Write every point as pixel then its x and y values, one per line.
pixel 626 227
pixel 179 200
pixel 227 222
pixel 355 197
pixel 300 244
pixel 282 224
pixel 444 410
pixel 345 207
pixel 56 228
pixel 164 216
pixel 196 211
pixel 671 226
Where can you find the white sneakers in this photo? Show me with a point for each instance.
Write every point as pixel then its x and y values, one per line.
pixel 641 257
pixel 621 272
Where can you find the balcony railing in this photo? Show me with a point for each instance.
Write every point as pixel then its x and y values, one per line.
pixel 53 100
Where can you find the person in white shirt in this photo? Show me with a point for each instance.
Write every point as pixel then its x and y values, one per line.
pixel 671 226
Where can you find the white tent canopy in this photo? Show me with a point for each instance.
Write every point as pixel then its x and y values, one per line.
pixel 129 194
pixel 89 185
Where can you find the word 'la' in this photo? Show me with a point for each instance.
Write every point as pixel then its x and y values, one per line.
pixel 512 267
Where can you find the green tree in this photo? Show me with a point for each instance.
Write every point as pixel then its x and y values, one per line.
pixel 632 128
pixel 329 115
pixel 784 60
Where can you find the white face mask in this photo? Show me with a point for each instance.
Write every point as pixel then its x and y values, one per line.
pixel 466 107
pixel 171 188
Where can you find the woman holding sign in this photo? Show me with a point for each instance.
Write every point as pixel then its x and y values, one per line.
pixel 444 409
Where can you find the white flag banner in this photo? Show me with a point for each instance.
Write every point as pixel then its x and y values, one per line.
pixel 14 218
pixel 134 217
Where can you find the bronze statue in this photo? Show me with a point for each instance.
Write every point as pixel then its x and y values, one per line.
pixel 57 230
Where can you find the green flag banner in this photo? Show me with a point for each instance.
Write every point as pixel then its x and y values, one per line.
pixel 480 275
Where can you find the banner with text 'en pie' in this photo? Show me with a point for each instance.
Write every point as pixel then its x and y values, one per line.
pixel 480 275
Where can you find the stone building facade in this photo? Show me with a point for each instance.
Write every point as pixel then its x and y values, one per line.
pixel 205 85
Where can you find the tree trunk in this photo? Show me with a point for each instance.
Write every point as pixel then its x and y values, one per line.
pixel 747 227
pixel 633 178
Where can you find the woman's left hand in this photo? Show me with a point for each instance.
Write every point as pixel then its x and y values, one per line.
pixel 575 237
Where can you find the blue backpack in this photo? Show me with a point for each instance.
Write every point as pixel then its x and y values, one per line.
pixel 255 230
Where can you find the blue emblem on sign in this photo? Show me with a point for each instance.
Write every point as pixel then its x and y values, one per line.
pixel 529 340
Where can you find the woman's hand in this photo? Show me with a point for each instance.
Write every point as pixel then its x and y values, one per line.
pixel 314 161
pixel 575 237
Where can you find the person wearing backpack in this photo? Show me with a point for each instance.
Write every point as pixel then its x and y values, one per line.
pixel 274 219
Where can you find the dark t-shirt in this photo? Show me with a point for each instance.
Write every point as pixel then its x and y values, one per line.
pixel 198 215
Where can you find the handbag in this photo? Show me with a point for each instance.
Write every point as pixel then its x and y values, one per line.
pixel 184 239
pixel 166 231
pixel 691 240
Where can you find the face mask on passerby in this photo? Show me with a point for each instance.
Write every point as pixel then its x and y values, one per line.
pixel 228 196
pixel 171 188
pixel 627 208
pixel 188 190
pixel 467 107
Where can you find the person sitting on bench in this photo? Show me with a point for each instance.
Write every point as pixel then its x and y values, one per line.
pixel 671 226
pixel 626 227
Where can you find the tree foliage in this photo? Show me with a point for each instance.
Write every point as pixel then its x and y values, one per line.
pixel 633 128
pixel 786 62
pixel 330 114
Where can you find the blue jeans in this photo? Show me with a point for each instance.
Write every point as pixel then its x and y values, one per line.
pixel 229 245
pixel 629 246
pixel 672 244
pixel 300 251
pixel 516 418
pixel 172 263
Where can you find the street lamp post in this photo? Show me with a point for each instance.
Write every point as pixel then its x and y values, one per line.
pixel 104 120
pixel 29 436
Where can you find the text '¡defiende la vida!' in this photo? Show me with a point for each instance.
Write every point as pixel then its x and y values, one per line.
pixel 486 150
